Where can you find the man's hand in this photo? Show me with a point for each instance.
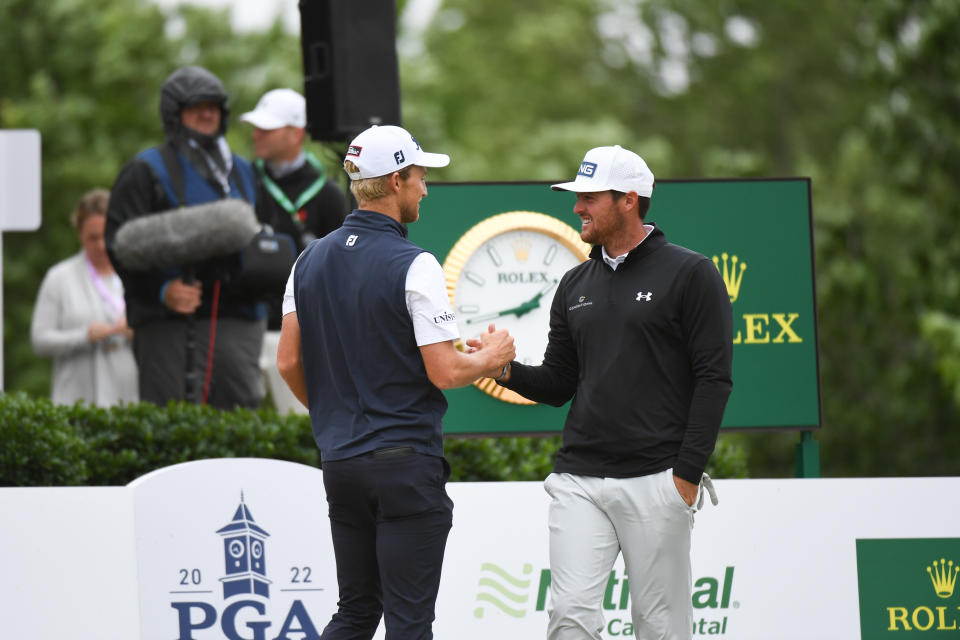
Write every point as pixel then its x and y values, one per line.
pixel 498 345
pixel 487 341
pixel 687 489
pixel 449 368
pixel 181 297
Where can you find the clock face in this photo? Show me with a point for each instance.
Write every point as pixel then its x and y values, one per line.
pixel 236 548
pixel 505 271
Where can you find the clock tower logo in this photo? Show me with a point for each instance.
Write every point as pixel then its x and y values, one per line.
pixel 245 612
pixel 244 550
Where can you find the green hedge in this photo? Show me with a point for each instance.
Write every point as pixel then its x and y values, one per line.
pixel 48 445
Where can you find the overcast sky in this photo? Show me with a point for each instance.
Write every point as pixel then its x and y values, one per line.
pixel 255 14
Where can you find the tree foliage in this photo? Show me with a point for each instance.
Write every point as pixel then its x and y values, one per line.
pixel 862 97
pixel 87 75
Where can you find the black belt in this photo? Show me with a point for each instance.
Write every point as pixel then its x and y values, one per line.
pixel 392 452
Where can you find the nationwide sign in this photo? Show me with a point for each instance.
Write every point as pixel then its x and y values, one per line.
pixel 502 593
pixel 759 235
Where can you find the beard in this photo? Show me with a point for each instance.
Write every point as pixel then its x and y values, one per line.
pixel 410 213
pixel 603 228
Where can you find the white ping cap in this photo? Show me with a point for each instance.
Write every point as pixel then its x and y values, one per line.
pixel 611 168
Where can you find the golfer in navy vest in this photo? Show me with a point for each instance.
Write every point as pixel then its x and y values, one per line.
pixel 367 343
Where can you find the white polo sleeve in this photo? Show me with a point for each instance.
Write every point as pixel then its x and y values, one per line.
pixel 428 303
pixel 289 303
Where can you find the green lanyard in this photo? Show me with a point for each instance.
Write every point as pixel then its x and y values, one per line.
pixel 293 207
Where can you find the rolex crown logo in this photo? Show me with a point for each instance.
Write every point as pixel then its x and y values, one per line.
pixel 731 276
pixel 944 577
pixel 521 249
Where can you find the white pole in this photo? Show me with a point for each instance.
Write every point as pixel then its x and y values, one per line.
pixel 2 361
pixel 19 194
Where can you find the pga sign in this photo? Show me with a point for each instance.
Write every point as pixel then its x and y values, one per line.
pixel 266 573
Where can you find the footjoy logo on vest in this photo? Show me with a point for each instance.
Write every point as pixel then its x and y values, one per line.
pixel 244 612
pixel 908 587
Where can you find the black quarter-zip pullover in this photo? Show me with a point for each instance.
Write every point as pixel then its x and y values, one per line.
pixel 645 351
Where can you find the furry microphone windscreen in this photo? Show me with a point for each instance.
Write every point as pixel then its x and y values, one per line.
pixel 185 236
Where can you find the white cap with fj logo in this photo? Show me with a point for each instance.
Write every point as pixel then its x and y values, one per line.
pixel 611 168
pixel 381 150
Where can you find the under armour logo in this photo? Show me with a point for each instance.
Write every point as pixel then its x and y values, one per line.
pixel 398 156
pixel 644 296
pixel 351 240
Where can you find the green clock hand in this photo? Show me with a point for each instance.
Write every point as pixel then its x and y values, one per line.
pixel 517 311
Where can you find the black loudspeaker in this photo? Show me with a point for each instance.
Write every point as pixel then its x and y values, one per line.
pixel 350 71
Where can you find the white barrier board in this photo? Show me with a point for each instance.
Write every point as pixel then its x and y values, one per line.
pixel 240 549
pixel 69 564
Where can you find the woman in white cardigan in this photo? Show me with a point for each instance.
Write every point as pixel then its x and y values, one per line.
pixel 80 318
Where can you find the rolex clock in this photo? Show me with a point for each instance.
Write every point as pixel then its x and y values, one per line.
pixel 505 271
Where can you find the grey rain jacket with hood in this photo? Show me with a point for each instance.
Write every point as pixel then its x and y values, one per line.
pixel 185 87
pixel 138 191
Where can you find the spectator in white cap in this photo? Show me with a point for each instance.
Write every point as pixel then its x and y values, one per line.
pixel 294 185
pixel 294 196
pixel 367 344
pixel 641 341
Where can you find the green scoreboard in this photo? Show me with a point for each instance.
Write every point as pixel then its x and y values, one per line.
pixel 757 232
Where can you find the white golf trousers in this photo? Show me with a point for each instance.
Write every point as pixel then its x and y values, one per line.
pixel 591 521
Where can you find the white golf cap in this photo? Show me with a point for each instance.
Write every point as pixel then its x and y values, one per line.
pixel 611 168
pixel 278 108
pixel 381 150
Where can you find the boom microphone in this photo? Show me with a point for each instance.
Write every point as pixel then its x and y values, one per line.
pixel 185 236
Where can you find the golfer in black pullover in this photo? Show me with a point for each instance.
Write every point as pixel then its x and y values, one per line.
pixel 641 339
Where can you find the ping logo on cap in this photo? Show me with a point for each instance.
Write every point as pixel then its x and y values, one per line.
pixel 354 150
pixel 587 169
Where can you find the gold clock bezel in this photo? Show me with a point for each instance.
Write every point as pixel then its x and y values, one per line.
pixel 489 228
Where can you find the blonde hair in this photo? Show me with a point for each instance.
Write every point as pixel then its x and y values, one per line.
pixel 92 203
pixel 367 189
